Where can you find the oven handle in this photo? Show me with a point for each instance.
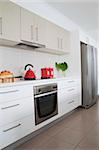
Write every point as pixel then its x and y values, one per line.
pixel 45 94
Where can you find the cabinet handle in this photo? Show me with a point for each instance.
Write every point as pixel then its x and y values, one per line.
pixel 36 33
pixel 1 25
pixel 71 90
pixel 12 127
pixel 58 41
pixel 6 92
pixel 61 43
pixel 71 102
pixel 71 81
pixel 32 32
pixel 10 106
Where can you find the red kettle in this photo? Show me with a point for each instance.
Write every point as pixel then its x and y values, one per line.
pixel 29 75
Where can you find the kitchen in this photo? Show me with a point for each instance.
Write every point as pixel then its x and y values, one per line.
pixel 15 55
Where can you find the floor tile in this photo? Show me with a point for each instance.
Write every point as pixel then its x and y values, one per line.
pixel 70 136
pixel 90 143
pixel 36 142
pixel 78 148
pixel 95 130
pixel 55 144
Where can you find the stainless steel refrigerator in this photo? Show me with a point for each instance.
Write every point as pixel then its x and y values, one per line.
pixel 89 75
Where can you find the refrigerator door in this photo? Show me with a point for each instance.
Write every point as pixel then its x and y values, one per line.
pixel 89 101
pixel 89 75
pixel 86 75
pixel 94 74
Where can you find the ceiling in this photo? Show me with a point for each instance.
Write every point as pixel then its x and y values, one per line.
pixel 84 13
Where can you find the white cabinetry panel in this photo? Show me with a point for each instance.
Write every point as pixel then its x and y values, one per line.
pixel 15 92
pixel 27 25
pixel 68 96
pixel 9 21
pixel 32 27
pixel 15 131
pixel 57 39
pixel 15 110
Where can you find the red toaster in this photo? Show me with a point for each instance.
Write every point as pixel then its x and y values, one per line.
pixel 47 73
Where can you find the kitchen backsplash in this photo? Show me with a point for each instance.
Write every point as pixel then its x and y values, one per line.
pixel 15 59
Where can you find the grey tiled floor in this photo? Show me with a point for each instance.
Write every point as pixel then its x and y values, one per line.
pixel 79 131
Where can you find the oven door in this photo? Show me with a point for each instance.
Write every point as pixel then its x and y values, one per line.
pixel 45 106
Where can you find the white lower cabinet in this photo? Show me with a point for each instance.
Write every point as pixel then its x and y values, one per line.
pixel 67 84
pixel 15 92
pixel 67 101
pixel 68 97
pixel 16 130
pixel 72 103
pixel 15 110
pixel 16 113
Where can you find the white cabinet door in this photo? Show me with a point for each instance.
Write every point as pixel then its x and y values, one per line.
pixel 9 21
pixel 15 131
pixel 66 41
pixel 0 20
pixel 62 101
pixel 79 96
pixel 16 110
pixel 57 38
pixel 66 98
pixel 15 92
pixel 32 27
pixel 27 26
pixel 40 30
pixel 52 40
pixel 67 83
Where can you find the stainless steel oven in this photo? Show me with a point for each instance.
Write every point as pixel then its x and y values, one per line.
pixel 45 102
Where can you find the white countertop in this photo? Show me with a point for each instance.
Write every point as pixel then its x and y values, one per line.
pixel 36 82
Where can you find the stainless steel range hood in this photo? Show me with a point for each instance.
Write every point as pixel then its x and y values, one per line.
pixel 26 45
pixel 29 45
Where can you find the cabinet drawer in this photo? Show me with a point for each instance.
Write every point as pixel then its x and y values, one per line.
pixel 72 104
pixel 15 131
pixel 15 110
pixel 67 94
pixel 66 84
pixel 68 106
pixel 68 100
pixel 71 93
pixel 15 92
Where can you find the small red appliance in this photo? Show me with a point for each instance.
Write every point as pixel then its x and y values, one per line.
pixel 29 75
pixel 47 73
pixel 51 70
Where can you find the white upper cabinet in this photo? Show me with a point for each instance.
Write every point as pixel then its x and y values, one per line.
pixel 27 25
pixel 40 33
pixel 65 40
pixel 32 27
pixel 18 24
pixel 9 21
pixel 0 20
pixel 51 36
pixel 57 39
